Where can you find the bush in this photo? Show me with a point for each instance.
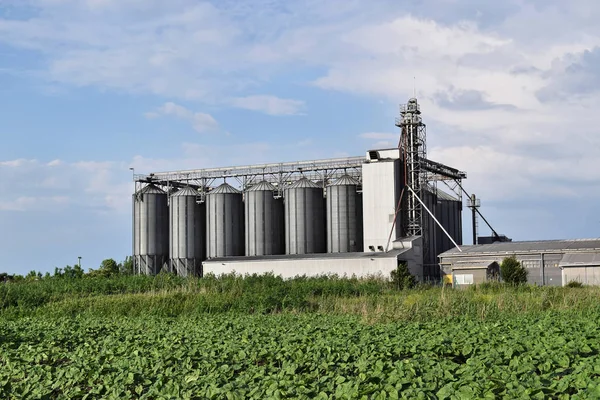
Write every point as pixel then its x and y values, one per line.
pixel 512 272
pixel 402 278
pixel 574 284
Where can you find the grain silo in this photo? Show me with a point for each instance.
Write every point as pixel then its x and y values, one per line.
pixel 225 222
pixel 304 218
pixel 448 212
pixel 344 216
pixel 150 230
pixel 264 221
pixel 187 237
pixel 391 210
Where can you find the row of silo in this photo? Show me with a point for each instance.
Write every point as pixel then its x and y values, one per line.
pixel 225 225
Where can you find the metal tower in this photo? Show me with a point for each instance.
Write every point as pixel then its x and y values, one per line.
pixel 414 151
pixel 474 203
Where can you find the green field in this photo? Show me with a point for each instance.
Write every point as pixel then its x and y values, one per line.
pixel 262 337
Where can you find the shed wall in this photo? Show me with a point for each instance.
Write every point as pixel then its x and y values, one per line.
pixel 588 275
pixel 361 267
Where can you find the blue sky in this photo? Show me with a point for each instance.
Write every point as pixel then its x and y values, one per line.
pixel 90 88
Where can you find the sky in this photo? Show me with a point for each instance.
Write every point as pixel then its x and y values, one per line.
pixel 90 88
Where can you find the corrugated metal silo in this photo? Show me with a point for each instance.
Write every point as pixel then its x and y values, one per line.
pixel 264 221
pixel 304 218
pixel 430 263
pixel 449 213
pixel 150 230
pixel 187 238
pixel 225 222
pixel 344 216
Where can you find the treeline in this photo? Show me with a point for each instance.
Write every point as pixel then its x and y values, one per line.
pixel 226 292
pixel 108 268
pixel 400 278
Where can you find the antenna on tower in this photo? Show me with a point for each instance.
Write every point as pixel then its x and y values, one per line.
pixel 414 86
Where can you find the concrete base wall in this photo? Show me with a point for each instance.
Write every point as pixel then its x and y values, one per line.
pixel 361 267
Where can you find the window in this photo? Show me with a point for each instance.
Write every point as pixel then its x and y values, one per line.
pixel 463 279
pixel 531 263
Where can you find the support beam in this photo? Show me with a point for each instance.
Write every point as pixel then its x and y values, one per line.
pixel 435 219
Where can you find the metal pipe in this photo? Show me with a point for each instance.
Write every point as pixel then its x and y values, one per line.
pixel 132 169
pixel 435 219
pixel 395 217
pixel 542 269
pixel 474 225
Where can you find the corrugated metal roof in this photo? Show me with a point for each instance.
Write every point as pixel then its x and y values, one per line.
pixel 441 194
pixel 304 183
pixel 261 186
pixel 151 189
pixel 345 180
pixel 445 196
pixel 472 265
pixel 224 188
pixel 577 260
pixel 526 246
pixel 186 191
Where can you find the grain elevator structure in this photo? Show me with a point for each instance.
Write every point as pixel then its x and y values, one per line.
pixel 349 216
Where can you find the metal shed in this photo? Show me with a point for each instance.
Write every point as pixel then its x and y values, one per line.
pixel 548 262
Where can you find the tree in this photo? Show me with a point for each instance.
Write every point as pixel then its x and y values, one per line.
pixel 402 278
pixel 126 267
pixel 512 271
pixel 74 272
pixel 33 276
pixel 109 267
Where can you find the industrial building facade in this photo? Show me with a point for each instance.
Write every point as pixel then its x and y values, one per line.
pixel 549 262
pixel 351 216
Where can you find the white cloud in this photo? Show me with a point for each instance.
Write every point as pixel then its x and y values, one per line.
pixel 18 204
pixel 81 184
pixel 380 135
pixel 269 104
pixel 201 122
pixel 16 163
pixel 383 144
pixel 106 186
pixel 24 203
pixel 481 71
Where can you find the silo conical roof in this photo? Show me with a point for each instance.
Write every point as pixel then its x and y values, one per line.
pixel 261 186
pixel 151 189
pixel 304 183
pixel 186 191
pixel 345 180
pixel 224 188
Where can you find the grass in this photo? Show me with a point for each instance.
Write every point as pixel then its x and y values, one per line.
pixel 323 337
pixel 373 299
